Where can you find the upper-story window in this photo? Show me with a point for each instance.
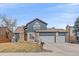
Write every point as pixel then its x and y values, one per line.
pixel 36 26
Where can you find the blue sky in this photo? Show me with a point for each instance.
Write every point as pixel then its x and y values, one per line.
pixel 55 14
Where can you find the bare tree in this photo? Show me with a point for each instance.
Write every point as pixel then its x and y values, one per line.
pixel 8 22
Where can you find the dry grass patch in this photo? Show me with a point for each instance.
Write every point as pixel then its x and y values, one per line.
pixel 20 47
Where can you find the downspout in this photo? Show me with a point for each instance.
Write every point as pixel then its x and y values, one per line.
pixel 55 36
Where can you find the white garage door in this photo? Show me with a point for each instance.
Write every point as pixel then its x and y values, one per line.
pixel 50 37
pixel 47 39
pixel 60 39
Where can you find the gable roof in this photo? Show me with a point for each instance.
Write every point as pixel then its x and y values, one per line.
pixel 35 20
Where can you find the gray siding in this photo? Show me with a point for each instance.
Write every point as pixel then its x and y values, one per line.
pixel 30 26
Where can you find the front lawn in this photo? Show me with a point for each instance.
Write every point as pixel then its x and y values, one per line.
pixel 20 47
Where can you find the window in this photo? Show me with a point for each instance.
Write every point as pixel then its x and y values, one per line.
pixel 36 26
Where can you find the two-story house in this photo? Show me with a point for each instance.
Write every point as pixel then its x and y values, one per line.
pixel 36 30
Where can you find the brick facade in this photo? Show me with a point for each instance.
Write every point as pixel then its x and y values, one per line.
pixel 5 35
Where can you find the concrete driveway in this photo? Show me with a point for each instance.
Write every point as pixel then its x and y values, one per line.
pixel 52 49
pixel 63 49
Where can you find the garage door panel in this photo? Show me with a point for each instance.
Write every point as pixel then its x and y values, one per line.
pixel 47 39
pixel 60 39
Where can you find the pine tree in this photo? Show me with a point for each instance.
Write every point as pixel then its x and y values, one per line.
pixel 76 27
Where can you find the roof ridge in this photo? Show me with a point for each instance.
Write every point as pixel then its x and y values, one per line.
pixel 34 20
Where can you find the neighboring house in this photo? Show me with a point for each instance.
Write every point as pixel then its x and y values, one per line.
pixel 70 37
pixel 19 33
pixel 37 30
pixel 5 35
